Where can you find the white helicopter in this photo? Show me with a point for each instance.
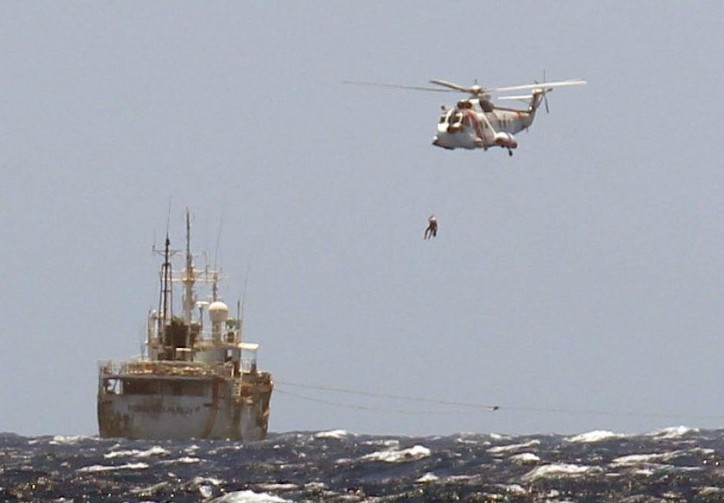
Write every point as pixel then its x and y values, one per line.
pixel 476 122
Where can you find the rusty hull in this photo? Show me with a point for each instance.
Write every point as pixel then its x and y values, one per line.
pixel 180 405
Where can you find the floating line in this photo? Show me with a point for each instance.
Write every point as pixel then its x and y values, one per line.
pixel 394 397
pixel 374 409
pixel 477 407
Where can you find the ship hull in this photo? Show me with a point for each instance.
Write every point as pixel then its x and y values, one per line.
pixel 148 411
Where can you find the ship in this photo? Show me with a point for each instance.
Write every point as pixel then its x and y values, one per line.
pixel 196 377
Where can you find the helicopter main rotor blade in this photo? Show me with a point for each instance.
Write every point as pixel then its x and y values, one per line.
pixel 546 86
pixel 451 85
pixel 475 90
pixel 396 86
pixel 519 97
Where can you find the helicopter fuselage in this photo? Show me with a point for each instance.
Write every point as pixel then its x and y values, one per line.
pixel 476 122
pixel 469 126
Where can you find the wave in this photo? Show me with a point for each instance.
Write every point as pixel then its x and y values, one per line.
pixel 338 465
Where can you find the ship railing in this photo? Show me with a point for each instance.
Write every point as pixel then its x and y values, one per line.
pixel 169 368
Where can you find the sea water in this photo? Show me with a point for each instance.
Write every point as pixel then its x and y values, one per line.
pixel 674 464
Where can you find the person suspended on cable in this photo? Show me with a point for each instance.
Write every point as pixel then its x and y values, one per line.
pixel 431 230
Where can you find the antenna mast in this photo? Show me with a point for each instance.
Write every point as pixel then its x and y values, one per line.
pixel 189 277
pixel 165 302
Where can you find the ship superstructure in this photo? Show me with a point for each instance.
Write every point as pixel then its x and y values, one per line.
pixel 198 377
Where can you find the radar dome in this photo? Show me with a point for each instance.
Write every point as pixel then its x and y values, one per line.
pixel 218 312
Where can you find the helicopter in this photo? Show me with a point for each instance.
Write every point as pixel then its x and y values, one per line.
pixel 475 122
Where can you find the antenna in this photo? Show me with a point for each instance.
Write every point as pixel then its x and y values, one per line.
pixel 218 241
pixel 168 215
pixel 238 321
pixel 240 303
pixel 189 275
pixel 164 300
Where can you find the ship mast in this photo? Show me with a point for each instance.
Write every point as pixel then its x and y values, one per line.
pixel 165 302
pixel 189 277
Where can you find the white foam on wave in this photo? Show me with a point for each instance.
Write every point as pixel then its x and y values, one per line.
pixel 206 491
pixel 595 436
pixel 636 459
pixel 460 478
pixel 248 497
pixel 428 477
pixel 278 487
pixel 673 432
pixel 513 447
pixel 385 442
pixel 646 459
pixel 478 439
pixel 711 491
pixel 153 451
pixel 68 439
pixel 148 490
pixel 515 489
pixel 338 434
pixel 106 468
pixel 525 458
pixel 412 454
pixel 186 460
pixel 558 470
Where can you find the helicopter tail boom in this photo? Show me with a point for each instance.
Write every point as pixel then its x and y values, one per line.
pixel 537 97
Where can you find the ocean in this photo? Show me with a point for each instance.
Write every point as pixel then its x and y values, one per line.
pixel 670 465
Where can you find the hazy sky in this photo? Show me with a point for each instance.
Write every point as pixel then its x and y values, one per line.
pixel 579 284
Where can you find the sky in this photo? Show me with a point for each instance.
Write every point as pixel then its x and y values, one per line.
pixel 577 285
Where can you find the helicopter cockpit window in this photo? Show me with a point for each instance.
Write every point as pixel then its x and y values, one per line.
pixel 455 120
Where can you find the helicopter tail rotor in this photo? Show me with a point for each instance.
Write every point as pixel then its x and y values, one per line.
pixel 544 92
